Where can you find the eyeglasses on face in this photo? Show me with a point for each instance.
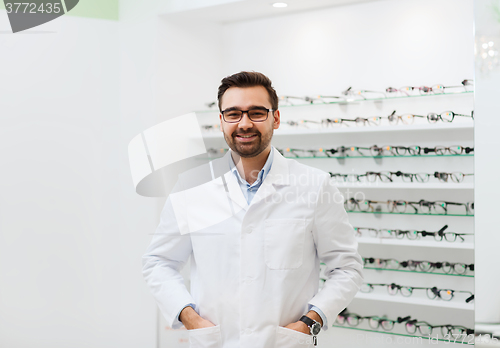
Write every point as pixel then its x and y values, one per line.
pixel 257 114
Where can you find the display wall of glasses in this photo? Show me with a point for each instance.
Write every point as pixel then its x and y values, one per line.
pixel 427 162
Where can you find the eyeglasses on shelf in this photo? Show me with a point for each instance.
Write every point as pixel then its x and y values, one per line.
pixel 432 117
pixel 401 206
pixel 406 291
pixel 375 151
pixel 411 234
pixel 426 329
pixel 440 207
pixel 406 177
pixel 288 100
pixel 214 152
pixel 422 266
pixel 412 326
pixel 350 93
pixel 375 322
pixel 359 121
pixel 425 90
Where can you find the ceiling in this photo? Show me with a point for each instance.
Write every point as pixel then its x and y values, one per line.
pixel 241 10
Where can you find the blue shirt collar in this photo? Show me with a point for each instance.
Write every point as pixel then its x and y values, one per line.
pixel 262 174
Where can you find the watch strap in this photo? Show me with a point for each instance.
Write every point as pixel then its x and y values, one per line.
pixel 308 321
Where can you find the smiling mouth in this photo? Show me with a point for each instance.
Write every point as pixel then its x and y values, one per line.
pixel 246 137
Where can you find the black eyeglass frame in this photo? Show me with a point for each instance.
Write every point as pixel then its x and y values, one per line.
pixel 248 114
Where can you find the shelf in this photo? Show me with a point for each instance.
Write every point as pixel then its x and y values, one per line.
pixel 374 157
pixel 413 185
pixel 353 157
pixel 356 101
pixel 415 301
pixel 385 212
pixel 404 335
pixel 491 329
pixel 402 270
pixel 287 130
pixel 416 243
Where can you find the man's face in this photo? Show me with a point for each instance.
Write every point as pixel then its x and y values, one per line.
pixel 247 138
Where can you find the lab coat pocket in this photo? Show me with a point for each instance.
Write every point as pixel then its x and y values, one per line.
pixel 207 337
pixel 284 243
pixel 288 338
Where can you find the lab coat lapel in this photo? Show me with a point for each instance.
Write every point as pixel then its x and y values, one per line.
pixel 228 182
pixel 278 175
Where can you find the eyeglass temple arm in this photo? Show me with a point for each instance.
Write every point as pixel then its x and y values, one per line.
pixel 440 232
pixel 402 320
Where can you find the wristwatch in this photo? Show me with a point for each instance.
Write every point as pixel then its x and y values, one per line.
pixel 313 325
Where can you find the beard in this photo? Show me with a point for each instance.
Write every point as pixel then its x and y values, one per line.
pixel 252 148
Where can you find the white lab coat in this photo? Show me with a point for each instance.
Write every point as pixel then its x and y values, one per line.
pixel 254 268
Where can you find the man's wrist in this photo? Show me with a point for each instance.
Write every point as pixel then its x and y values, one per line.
pixel 315 316
pixel 188 316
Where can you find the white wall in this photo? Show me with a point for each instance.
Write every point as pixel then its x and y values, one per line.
pixel 72 228
pixel 371 46
pixel 487 166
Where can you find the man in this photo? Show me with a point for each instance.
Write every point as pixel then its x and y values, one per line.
pixel 257 233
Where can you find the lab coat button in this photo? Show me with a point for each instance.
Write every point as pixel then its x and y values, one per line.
pixel 249 230
pixel 248 331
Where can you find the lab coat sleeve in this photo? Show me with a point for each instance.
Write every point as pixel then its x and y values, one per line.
pixel 337 248
pixel 162 262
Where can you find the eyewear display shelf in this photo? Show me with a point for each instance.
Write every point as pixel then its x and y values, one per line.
pixel 423 134
pixel 419 339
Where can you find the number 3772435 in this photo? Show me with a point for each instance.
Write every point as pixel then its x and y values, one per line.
pixel 26 7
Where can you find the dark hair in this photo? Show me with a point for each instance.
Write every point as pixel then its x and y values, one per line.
pixel 248 79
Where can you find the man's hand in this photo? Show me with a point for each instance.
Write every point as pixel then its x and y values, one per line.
pixel 300 326
pixel 192 320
